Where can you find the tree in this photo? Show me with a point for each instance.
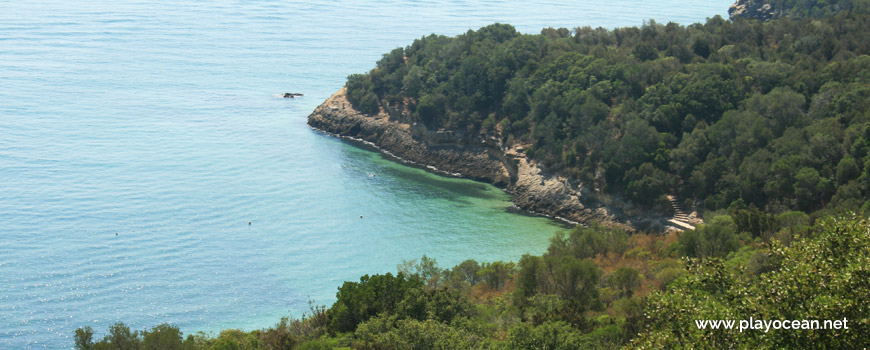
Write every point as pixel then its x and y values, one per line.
pixel 810 188
pixel 235 339
pixel 467 271
pixel 701 48
pixel 646 184
pixel 84 338
pixel 426 270
pixel 550 335
pixel 716 239
pixel 162 337
pixel 359 301
pixel 121 338
pixel 587 242
pixel 495 274
pixel 645 52
pixel 625 279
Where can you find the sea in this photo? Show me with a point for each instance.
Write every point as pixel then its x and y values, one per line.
pixel 150 173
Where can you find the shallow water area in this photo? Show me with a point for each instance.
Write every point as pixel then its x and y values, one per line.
pixel 139 139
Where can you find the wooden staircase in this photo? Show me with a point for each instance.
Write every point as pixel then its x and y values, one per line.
pixel 680 220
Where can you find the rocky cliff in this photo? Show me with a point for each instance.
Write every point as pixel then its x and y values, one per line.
pixel 483 159
pixel 757 9
pixel 767 10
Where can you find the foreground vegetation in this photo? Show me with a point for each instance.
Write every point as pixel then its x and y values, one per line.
pixel 593 288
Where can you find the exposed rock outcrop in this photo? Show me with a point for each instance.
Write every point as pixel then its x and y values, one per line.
pixel 483 159
pixel 767 10
pixel 440 149
pixel 757 9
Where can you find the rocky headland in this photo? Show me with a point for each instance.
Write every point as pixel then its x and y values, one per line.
pixel 756 9
pixel 766 10
pixel 484 159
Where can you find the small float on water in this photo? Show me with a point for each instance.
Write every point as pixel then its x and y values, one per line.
pixel 292 95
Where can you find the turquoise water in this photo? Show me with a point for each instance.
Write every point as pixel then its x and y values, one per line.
pixel 138 139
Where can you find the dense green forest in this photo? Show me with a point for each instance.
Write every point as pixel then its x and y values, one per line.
pixel 746 113
pixel 765 124
pixel 818 8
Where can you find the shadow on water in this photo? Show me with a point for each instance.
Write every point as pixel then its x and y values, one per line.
pixel 513 209
pixel 368 160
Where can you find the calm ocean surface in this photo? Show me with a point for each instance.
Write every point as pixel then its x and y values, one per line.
pixel 138 139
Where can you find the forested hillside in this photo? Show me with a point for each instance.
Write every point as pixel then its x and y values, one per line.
pixel 745 113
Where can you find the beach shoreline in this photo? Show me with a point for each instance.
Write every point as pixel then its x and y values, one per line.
pixel 450 153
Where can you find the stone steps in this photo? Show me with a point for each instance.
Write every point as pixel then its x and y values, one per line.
pixel 680 219
pixel 682 226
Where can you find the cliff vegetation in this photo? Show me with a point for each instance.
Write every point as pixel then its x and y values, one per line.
pixel 723 114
